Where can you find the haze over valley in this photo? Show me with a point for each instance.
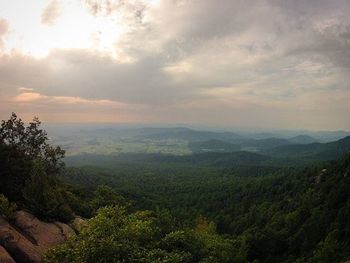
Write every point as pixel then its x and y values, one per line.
pixel 174 131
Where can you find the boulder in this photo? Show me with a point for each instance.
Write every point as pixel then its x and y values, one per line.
pixel 27 239
pixel 5 257
pixel 45 235
pixel 17 245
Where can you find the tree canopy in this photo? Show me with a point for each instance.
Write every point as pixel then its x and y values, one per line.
pixel 29 169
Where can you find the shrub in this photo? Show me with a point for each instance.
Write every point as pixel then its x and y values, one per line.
pixel 7 209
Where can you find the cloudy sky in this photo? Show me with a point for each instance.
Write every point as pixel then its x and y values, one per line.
pixel 259 64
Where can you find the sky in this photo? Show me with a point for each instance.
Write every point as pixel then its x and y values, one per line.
pixel 222 63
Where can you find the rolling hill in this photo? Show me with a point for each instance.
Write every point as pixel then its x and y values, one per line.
pixel 313 151
pixel 302 139
pixel 213 146
pixel 190 135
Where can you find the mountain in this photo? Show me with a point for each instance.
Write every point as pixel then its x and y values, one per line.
pixel 215 159
pixel 260 135
pixel 329 136
pixel 302 139
pixel 213 146
pixel 313 151
pixel 190 135
pixel 234 144
pixel 217 153
pixel 208 159
pixel 262 144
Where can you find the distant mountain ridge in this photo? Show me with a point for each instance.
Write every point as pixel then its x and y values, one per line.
pixel 302 139
pixel 184 141
pixel 213 145
pixel 313 151
pixel 286 155
pixel 191 135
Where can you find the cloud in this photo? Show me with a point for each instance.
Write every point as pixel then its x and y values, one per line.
pixel 200 61
pixel 51 13
pixel 30 96
pixel 92 75
pixel 28 103
pixel 4 27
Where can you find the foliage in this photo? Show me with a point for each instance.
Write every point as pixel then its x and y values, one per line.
pixel 7 209
pixel 20 146
pixel 114 235
pixel 42 197
pixel 107 196
pixel 29 169
pixel 272 214
pixel 31 141
pixel 213 207
pixel 14 172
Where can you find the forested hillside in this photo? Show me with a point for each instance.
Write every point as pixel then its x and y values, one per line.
pixel 273 214
pixel 211 207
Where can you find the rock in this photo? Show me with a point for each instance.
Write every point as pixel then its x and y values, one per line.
pixel 28 238
pixel 5 257
pixel 77 224
pixel 17 245
pixel 45 235
pixel 66 230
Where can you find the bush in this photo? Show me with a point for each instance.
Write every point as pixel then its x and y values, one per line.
pixel 7 209
pixel 114 235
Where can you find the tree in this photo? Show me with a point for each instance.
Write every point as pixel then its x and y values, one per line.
pixel 43 197
pixel 32 141
pixel 20 145
pixel 106 196
pixel 15 169
pixel 29 169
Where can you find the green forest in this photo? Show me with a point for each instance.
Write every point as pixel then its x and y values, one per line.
pixel 219 206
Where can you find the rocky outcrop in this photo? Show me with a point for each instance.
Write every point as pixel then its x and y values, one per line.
pixel 17 245
pixel 27 238
pixel 5 257
pixel 44 235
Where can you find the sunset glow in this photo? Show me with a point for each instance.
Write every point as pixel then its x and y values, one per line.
pixel 223 62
